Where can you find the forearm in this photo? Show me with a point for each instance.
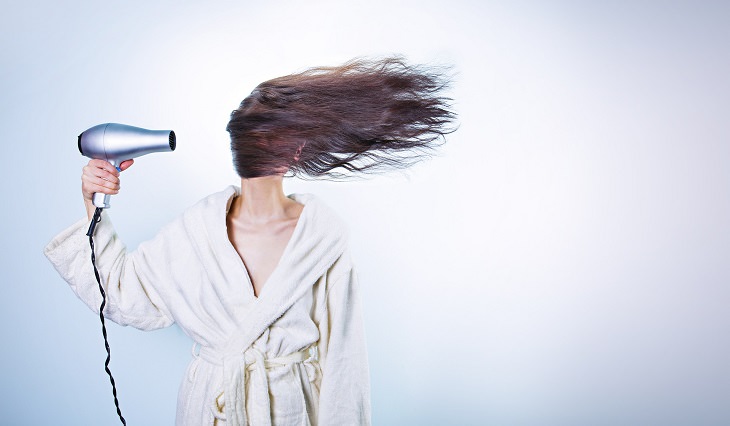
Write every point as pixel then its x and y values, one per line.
pixel 90 208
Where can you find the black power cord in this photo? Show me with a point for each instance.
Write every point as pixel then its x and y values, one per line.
pixel 90 234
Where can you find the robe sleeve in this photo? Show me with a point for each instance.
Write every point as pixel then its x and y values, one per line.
pixel 128 278
pixel 345 388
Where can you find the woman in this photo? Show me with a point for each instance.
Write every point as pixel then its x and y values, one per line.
pixel 263 283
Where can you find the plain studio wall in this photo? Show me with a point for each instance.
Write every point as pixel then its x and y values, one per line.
pixel 562 261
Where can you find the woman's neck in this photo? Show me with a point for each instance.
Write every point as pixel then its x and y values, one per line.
pixel 262 199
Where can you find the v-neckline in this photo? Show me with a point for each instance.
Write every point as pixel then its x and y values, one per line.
pixel 284 253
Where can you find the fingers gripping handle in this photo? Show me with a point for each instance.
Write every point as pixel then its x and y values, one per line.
pixel 100 199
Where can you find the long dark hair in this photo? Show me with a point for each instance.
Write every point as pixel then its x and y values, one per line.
pixel 363 116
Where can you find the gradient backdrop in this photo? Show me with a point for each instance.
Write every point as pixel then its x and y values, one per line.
pixel 564 261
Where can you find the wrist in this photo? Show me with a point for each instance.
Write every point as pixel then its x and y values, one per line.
pixel 90 208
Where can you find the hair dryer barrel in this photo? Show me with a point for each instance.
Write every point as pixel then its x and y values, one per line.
pixel 118 142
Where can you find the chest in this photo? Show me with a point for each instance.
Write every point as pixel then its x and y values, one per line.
pixel 260 248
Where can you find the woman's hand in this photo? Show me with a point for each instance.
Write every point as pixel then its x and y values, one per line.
pixel 100 176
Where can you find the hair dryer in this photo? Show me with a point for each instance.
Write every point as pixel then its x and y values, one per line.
pixel 118 142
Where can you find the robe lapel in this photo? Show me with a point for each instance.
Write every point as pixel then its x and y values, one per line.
pixel 317 242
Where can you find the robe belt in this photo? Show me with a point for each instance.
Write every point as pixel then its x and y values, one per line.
pixel 250 366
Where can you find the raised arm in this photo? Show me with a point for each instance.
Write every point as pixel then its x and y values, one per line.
pixel 131 280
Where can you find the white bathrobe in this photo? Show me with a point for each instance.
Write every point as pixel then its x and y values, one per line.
pixel 295 355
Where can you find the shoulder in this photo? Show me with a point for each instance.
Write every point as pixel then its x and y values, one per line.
pixel 216 203
pixel 320 216
pixel 203 218
pixel 210 210
pixel 331 225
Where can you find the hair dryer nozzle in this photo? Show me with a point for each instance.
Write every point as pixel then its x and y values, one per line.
pixel 172 140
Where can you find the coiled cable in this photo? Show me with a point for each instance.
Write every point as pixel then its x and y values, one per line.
pixel 92 227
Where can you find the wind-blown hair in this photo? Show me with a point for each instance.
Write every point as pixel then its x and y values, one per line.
pixel 363 116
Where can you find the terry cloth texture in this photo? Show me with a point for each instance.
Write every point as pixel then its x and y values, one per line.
pixel 295 355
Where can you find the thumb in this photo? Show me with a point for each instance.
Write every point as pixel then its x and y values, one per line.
pixel 126 164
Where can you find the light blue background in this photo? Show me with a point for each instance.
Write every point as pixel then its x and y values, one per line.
pixel 564 261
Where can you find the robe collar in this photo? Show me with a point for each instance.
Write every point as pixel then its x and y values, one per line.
pixel 318 240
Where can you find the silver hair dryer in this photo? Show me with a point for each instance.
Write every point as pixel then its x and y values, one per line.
pixel 118 142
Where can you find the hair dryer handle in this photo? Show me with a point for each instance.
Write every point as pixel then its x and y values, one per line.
pixel 101 200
